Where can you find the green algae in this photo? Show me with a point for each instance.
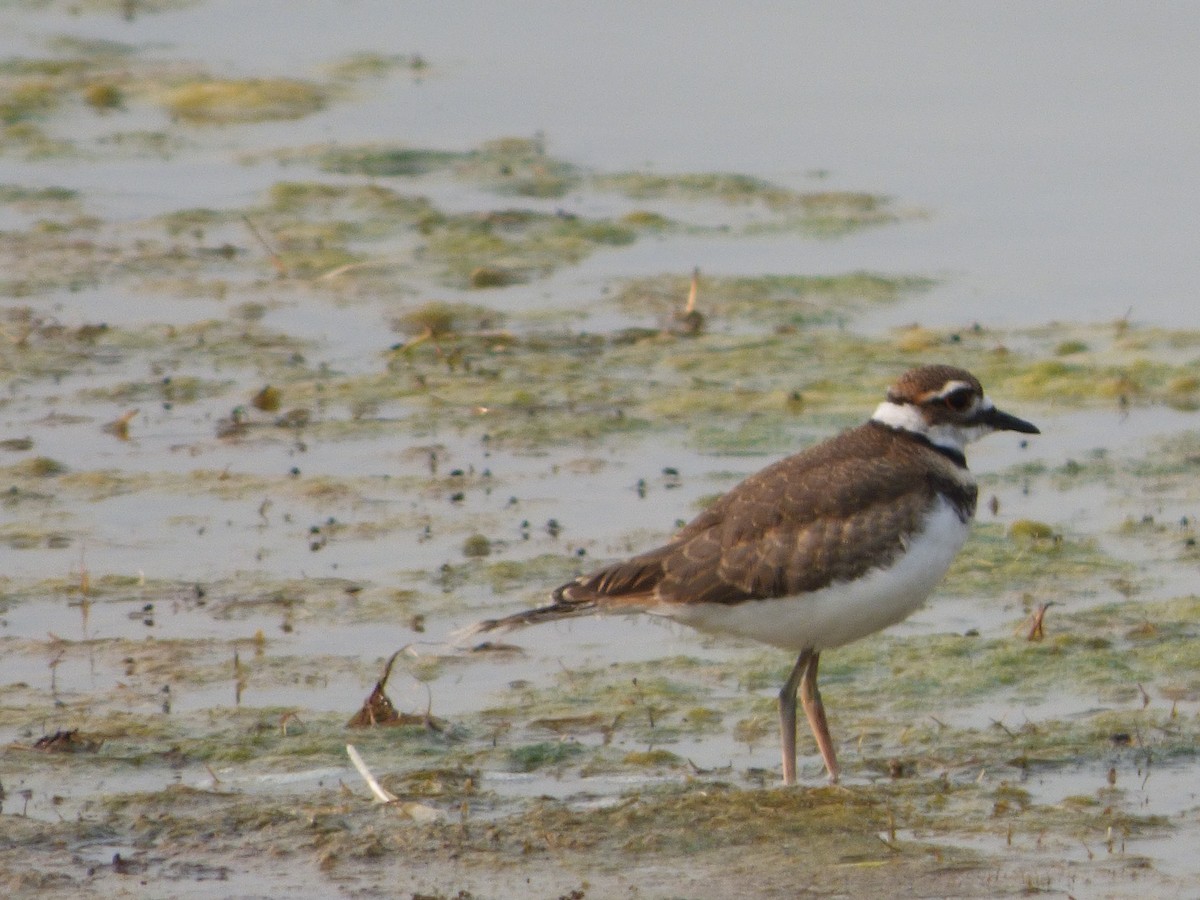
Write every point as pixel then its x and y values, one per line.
pixel 544 571
pixel 34 197
pixel 231 101
pixel 109 77
pixel 478 250
pixel 75 47
pixel 825 213
pixel 774 300
pixel 364 64
pixel 20 537
pixel 108 9
pixel 38 467
pixel 517 166
pixel 523 244
pixel 26 98
pixel 356 207
pixel 477 546
pixel 720 186
pixel 531 757
pixel 779 365
pixel 384 162
pixel 1105 651
pixel 195 222
pixel 440 319
pixel 1029 557
pixel 1165 470
pixel 522 167
pixel 659 820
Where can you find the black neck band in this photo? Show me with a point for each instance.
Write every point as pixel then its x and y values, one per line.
pixel 955 456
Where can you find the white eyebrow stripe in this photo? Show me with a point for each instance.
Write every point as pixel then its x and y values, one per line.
pixel 950 388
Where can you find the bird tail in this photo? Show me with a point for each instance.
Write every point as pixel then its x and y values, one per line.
pixel 562 607
pixel 626 587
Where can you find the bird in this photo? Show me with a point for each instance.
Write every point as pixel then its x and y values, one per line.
pixel 818 549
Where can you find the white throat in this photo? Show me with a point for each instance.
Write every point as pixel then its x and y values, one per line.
pixel 907 417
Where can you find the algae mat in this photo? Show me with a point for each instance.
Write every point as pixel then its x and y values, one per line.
pixel 317 404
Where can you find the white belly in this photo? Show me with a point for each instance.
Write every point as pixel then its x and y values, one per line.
pixel 843 612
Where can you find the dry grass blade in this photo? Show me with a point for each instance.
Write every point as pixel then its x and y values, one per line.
pixel 379 791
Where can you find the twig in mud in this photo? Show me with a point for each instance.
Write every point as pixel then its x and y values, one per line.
pixel 85 582
pixel 430 721
pixel 239 679
pixel 424 336
pixel 1145 696
pixel 378 708
pixel 891 846
pixel 1037 622
pixel 350 267
pixel 690 322
pixel 416 811
pixel 380 793
pixel 697 770
pixel 119 427
pixel 54 673
pixel 276 259
pixel 641 699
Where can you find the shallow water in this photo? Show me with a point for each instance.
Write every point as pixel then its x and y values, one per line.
pixel 1052 149
pixel 1041 164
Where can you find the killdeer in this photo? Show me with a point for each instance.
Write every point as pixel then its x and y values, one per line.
pixel 818 549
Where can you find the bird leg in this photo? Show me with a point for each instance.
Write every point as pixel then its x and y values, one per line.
pixel 787 717
pixel 804 678
pixel 810 699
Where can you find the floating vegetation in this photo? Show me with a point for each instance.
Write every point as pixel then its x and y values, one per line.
pixel 26 196
pixel 517 166
pixel 231 101
pixel 509 247
pixel 342 416
pixel 725 187
pixel 477 546
pixel 103 96
pixel 1030 531
pixel 358 66
pixel 777 300
pixel 532 757
pixel 383 162
pixel 522 167
pixel 825 213
pixel 39 467
pixel 1026 556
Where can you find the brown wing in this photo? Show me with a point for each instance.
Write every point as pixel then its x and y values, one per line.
pixel 798 525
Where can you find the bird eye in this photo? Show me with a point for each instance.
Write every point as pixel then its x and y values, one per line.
pixel 959 400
